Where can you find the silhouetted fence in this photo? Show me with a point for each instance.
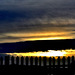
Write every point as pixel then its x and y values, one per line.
pixel 51 62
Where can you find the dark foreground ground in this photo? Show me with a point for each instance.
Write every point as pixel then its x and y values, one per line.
pixel 32 70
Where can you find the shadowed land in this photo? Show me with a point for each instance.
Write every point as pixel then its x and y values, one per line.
pixel 43 45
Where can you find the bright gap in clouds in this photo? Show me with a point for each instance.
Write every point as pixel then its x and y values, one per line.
pixel 52 53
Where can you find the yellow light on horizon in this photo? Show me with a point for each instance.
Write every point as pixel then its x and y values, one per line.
pixel 40 53
pixel 53 53
pixel 49 53
pixel 47 38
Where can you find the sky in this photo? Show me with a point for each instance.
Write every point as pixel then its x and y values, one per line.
pixel 26 20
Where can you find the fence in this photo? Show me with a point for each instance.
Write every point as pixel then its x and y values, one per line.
pixel 38 65
pixel 38 61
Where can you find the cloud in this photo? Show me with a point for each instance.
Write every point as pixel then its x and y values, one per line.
pixel 59 21
pixel 24 17
pixel 34 4
pixel 37 25
pixel 24 36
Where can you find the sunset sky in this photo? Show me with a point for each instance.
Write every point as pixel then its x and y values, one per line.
pixel 24 20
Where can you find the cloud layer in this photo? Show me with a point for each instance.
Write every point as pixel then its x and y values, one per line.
pixel 28 17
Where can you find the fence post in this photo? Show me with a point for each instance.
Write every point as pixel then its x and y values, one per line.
pixel 1 60
pixel 6 60
pixel 53 62
pixel 72 59
pixel 22 60
pixel 17 60
pixel 36 61
pixel 50 62
pixel 68 61
pixel 63 62
pixel 27 59
pixel 12 60
pixel 44 61
pixel 58 62
pixel 73 65
pixel 40 61
pixel 49 70
pixel 31 61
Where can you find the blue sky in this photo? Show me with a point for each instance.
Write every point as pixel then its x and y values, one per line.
pixel 23 20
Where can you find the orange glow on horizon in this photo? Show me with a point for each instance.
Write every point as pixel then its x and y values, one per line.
pixel 33 36
pixel 47 38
